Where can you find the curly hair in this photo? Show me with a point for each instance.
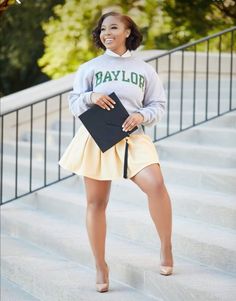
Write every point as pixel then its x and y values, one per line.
pixel 132 42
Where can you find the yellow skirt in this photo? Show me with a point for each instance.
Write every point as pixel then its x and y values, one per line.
pixel 83 157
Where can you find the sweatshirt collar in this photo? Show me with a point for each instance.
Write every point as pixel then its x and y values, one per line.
pixel 111 53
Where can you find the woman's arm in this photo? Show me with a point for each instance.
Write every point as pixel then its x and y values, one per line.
pixel 80 97
pixel 154 102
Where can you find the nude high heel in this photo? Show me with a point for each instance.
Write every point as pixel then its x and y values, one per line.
pixel 165 270
pixel 103 287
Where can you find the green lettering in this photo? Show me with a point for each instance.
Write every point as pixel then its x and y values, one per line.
pixel 141 81
pixel 116 73
pixel 98 76
pixel 107 77
pixel 134 78
pixel 123 77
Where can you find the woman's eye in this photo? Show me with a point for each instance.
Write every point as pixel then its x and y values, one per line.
pixel 113 27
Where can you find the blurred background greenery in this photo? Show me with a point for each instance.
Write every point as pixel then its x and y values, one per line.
pixel 41 40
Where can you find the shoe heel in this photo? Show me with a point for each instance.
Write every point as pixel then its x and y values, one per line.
pixel 103 287
pixel 166 270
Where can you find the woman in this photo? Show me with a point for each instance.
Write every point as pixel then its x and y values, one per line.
pixel 138 86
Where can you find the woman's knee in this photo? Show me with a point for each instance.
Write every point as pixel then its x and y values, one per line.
pixel 97 193
pixel 154 187
pixel 95 203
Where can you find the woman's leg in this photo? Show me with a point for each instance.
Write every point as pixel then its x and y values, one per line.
pixel 97 193
pixel 150 180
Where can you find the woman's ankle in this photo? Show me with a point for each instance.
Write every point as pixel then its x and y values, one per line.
pixel 101 265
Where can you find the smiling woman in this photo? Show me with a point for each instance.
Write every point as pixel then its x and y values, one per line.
pixel 140 90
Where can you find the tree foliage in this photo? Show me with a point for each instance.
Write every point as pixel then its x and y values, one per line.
pixel 51 38
pixel 22 44
pixel 164 24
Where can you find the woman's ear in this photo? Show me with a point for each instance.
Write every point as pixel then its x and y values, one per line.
pixel 128 31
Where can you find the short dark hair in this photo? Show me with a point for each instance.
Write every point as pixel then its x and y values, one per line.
pixel 132 42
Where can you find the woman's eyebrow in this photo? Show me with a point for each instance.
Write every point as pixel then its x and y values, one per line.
pixel 109 25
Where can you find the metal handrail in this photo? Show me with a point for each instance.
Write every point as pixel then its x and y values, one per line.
pixel 10 121
pixel 187 45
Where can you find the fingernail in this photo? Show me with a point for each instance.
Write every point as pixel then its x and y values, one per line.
pixel 112 107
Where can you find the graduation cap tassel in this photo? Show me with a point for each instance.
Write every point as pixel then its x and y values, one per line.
pixel 126 159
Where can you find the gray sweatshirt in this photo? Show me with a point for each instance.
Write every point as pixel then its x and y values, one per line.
pixel 134 81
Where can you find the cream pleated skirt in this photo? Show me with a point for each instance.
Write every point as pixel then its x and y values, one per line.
pixel 83 157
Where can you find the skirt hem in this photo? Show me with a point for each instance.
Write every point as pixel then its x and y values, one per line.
pixel 85 174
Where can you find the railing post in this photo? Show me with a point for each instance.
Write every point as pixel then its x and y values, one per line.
pixel 16 162
pixel 194 84
pixel 59 139
pixel 207 80
pixel 45 145
pixel 1 162
pixel 231 70
pixel 219 78
pixel 31 146
pixel 168 100
pixel 182 86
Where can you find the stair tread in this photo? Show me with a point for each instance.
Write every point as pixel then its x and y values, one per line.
pixel 230 171
pixel 193 145
pixel 126 253
pixel 181 225
pixel 200 167
pixel 10 291
pixel 62 275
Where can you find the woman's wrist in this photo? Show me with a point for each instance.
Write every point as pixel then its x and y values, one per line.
pixel 141 117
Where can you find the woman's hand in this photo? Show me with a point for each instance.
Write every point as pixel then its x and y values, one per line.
pixel 132 121
pixel 103 101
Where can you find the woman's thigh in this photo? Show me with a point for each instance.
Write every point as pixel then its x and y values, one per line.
pixel 149 179
pixel 97 192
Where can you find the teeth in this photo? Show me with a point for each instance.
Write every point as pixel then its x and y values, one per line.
pixel 108 40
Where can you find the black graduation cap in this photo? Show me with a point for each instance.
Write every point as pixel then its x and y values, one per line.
pixel 106 126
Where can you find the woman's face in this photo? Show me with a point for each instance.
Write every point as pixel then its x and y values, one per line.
pixel 114 34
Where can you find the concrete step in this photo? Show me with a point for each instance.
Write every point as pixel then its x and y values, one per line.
pixel 185 152
pixel 201 92
pixel 130 263
pixel 200 102
pixel 205 206
pixel 201 84
pixel 227 120
pixel 9 168
pixel 52 137
pixel 191 175
pixel 50 277
pixel 200 116
pixel 52 152
pixel 200 176
pixel 204 135
pixel 23 183
pixel 67 123
pixel 207 134
pixel 202 205
pixel 12 292
pixel 134 223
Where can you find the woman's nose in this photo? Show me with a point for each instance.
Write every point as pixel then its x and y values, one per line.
pixel 106 32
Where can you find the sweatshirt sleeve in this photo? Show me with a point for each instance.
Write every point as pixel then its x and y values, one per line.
pixel 154 102
pixel 80 97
